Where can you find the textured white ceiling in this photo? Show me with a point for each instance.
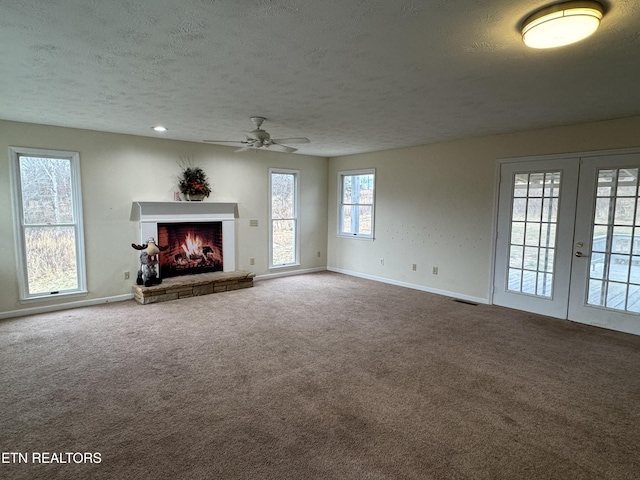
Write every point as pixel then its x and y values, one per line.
pixel 351 75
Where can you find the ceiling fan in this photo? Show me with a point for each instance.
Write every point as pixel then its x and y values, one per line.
pixel 259 138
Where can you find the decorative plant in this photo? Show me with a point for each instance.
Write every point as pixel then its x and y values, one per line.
pixel 193 180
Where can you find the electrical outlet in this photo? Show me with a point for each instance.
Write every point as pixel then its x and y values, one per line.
pixel 252 261
pixel 435 270
pixel 253 222
pixel 382 262
pixel 319 254
pixel 127 275
pixel 414 267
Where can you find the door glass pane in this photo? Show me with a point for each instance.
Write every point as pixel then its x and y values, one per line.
pixel 627 182
pixel 534 221
pixel 614 273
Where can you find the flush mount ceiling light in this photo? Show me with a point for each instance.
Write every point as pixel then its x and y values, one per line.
pixel 561 24
pixel 159 128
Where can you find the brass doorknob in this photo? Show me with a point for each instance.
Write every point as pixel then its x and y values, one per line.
pixel 579 254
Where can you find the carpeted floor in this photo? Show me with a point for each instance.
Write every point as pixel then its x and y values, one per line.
pixel 319 376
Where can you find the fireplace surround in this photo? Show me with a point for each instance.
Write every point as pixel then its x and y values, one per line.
pixel 200 235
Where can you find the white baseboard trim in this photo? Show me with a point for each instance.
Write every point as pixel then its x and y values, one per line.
pixel 414 286
pixel 64 306
pixel 288 273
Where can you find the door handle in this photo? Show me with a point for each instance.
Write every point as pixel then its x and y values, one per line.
pixel 580 254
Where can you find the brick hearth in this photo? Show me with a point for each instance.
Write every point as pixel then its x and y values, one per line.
pixel 193 285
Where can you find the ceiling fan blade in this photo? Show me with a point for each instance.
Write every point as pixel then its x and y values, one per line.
pixel 224 141
pixel 292 140
pixel 282 148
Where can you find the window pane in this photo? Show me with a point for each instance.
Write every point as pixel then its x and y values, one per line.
pixel 515 280
pixel 51 259
pixel 284 242
pixel 624 212
pixel 627 182
pixel 282 192
pixel 46 190
pixel 550 210
pixel 633 304
pixel 616 295
pixel 365 189
pixel 552 184
pixel 545 281
pixel 356 219
pixel 519 209
pixel 515 257
pixel 530 258
pixel 529 282
pixel 545 262
pixel 548 235
pixel 605 181
pixel 596 293
pixel 363 215
pixel 520 185
pixel 536 183
pixel 517 233
pixel 533 234
pixel 346 189
pixel 534 210
pixel 602 210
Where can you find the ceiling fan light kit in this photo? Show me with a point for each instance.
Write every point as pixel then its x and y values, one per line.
pixel 562 24
pixel 259 138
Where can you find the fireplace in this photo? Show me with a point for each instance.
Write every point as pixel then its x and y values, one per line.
pixel 200 235
pixel 193 248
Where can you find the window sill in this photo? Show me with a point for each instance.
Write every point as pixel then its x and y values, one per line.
pixel 49 297
pixel 288 265
pixel 356 237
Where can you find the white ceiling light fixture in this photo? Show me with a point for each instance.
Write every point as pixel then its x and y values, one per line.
pixel 160 128
pixel 562 24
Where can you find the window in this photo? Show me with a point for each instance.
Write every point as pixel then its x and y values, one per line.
pixel 48 220
pixel 356 203
pixel 283 217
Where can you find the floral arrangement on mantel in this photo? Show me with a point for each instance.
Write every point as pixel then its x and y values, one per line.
pixel 193 183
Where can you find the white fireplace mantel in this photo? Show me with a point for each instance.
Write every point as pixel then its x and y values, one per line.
pixel 185 211
pixel 149 214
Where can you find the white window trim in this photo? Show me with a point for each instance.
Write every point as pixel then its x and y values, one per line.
pixel 18 216
pixel 358 236
pixel 297 234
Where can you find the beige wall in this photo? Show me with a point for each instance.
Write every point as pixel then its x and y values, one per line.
pixel 119 169
pixel 435 204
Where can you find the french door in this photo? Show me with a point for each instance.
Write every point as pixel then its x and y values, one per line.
pixel 568 239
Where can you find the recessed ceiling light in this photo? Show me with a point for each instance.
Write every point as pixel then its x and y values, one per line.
pixel 562 24
pixel 160 128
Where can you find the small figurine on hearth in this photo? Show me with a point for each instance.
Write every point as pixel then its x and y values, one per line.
pixel 148 273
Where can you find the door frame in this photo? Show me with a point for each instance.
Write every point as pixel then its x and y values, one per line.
pixel 533 158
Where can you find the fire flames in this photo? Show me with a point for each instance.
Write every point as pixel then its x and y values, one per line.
pixel 192 246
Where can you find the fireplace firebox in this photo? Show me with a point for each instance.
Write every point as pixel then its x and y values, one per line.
pixel 193 248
